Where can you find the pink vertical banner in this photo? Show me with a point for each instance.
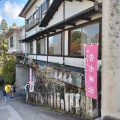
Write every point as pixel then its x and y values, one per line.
pixel 30 78
pixel 91 70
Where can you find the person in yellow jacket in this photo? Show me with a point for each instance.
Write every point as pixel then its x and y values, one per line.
pixel 8 92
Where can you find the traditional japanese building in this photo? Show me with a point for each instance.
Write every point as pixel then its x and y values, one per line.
pixel 55 34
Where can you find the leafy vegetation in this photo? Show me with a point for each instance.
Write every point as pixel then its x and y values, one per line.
pixel 8 71
pixel 7 63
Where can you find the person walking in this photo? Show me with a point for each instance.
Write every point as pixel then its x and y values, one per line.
pixel 8 92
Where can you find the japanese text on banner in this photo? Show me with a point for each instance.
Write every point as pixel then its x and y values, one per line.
pixel 91 70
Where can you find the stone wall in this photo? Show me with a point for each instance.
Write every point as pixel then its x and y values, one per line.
pixel 22 75
pixel 111 59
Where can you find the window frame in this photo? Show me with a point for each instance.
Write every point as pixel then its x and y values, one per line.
pixel 40 47
pixel 46 7
pixel 99 21
pixel 31 47
pixel 11 42
pixel 61 44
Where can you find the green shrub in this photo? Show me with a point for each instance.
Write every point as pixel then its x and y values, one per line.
pixel 8 71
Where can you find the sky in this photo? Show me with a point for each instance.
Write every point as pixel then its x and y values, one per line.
pixel 10 10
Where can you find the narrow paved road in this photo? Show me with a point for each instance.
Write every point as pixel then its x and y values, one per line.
pixel 18 110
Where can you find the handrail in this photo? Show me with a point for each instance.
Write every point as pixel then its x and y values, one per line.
pixel 32 24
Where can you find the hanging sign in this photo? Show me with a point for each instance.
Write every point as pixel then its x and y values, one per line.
pixel 30 78
pixel 91 52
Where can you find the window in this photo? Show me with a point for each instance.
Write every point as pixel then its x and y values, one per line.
pixel 41 46
pixel 34 15
pixel 11 42
pixel 30 19
pixel 54 43
pixel 44 7
pixel 38 47
pixel 31 47
pixel 80 36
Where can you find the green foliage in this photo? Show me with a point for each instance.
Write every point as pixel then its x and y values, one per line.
pixel 7 64
pixel 1 80
pixel 8 71
pixel 3 41
pixel 76 36
pixel 14 24
pixel 4 26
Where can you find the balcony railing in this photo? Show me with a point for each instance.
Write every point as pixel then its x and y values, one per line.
pixel 32 24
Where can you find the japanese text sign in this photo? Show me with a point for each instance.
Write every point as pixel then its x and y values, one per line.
pixel 30 78
pixel 91 70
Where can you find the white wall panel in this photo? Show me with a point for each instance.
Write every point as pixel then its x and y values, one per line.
pixel 77 62
pixel 55 59
pixel 57 17
pixel 32 31
pixel 40 57
pixel 31 56
pixel 78 7
pixel 34 47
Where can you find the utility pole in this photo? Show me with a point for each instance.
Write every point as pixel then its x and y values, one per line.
pixel 111 60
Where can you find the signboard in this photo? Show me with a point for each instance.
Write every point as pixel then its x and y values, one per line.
pixel 91 70
pixel 58 82
pixel 61 76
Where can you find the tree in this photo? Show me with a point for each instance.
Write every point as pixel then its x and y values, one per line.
pixel 8 71
pixel 7 63
pixel 4 26
pixel 3 41
pixel 14 24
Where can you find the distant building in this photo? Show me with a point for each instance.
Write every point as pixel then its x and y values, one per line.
pixel 13 35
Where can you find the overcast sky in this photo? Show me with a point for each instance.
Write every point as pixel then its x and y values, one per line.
pixel 10 9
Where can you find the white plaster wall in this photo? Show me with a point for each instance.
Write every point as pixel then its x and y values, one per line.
pixel 78 7
pixel 32 31
pixel 57 17
pixel 34 57
pixel 22 36
pixel 55 59
pixel 77 62
pixel 34 47
pixel 31 56
pixel 41 57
